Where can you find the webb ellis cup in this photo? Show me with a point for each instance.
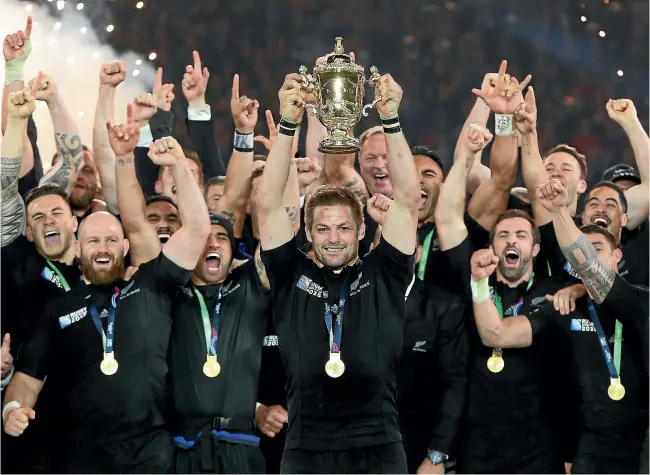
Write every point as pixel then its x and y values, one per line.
pixel 339 89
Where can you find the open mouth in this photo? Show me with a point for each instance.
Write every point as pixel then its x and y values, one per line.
pixel 601 221
pixel 103 260
pixel 213 262
pixel 334 250
pixel 381 176
pixel 423 197
pixel 512 257
pixel 164 237
pixel 52 237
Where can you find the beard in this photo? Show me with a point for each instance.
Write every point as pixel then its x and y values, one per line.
pixel 83 201
pixel 347 255
pixel 103 276
pixel 514 274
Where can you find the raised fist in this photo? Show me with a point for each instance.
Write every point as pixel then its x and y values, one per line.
pixel 505 97
pixel 195 80
pixel 621 111
pixel 552 195
pixel 162 93
pixel 46 90
pixel 112 74
pixel 483 264
pixel 243 109
pixel 377 207
pixel 144 108
pixel 292 97
pixel 391 96
pixel 166 151
pixel 309 170
pixel 17 419
pixel 21 104
pixel 526 115
pixel 19 43
pixel 123 138
pixel 477 138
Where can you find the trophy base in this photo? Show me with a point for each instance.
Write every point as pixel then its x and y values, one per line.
pixel 339 145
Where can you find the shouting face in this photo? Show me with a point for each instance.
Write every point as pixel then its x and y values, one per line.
pixel 163 217
pixel 373 166
pixel 334 236
pixel 431 178
pixel 513 244
pixel 214 263
pixel 604 208
pixel 51 226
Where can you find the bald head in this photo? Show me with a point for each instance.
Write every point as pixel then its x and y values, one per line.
pixel 102 248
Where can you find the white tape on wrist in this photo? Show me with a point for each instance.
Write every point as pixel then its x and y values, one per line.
pixel 9 405
pixel 480 290
pixel 257 406
pixel 503 124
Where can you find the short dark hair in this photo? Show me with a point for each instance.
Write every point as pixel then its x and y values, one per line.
pixel 517 213
pixel 215 180
pixel 429 152
pixel 595 229
pixel 45 190
pixel 613 186
pixel 332 195
pixel 580 158
pixel 190 155
pixel 159 198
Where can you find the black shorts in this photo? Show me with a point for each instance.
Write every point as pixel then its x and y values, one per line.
pixel 219 456
pixel 386 458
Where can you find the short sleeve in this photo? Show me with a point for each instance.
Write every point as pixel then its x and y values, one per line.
pixel 35 356
pixel 479 237
pixel 540 316
pixel 629 302
pixel 398 266
pixel 459 258
pixel 281 262
pixel 164 272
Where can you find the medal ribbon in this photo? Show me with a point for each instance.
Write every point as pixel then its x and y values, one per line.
pixel 210 328
pixel 336 330
pixel 107 338
pixel 499 304
pixel 613 364
pixel 422 265
pixel 64 282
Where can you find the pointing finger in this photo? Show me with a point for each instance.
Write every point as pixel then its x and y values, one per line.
pixel 6 342
pixel 159 76
pixel 129 113
pixel 197 60
pixel 235 86
pixel 28 27
pixel 273 130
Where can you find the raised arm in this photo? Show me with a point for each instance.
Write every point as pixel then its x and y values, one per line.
pixel 186 245
pixel 578 250
pixel 144 243
pixel 495 332
pixel 240 166
pixel 276 228
pixel 66 136
pixel 450 210
pixel 400 225
pixel 21 104
pixel 623 112
pixel 110 76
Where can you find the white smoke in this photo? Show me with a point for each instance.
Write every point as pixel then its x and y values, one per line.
pixel 73 59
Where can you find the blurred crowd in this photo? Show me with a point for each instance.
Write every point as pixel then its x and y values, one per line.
pixel 437 50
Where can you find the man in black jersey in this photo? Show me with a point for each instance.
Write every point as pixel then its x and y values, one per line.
pixel 339 320
pixel 105 343
pixel 215 352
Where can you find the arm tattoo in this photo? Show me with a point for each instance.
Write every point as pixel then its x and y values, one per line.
pixel 72 159
pixel 124 161
pixel 596 276
pixel 12 207
pixel 229 216
pixel 357 189
pixel 261 270
pixel 294 214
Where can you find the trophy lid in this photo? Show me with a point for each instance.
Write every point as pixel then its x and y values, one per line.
pixel 339 52
pixel 338 61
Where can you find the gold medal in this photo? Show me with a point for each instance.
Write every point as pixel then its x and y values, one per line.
pixel 495 362
pixel 335 367
pixel 616 390
pixel 211 367
pixel 109 364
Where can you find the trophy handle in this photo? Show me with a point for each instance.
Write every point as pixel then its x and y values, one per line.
pixel 306 83
pixel 372 81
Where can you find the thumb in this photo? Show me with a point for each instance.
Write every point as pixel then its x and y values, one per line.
pixel 6 342
pixel 109 126
pixel 29 412
pixel 129 113
pixel 549 297
pixel 479 93
pixel 206 74
pixel 530 96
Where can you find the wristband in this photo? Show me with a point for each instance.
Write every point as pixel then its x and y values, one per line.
pixel 14 66
pixel 391 126
pixel 480 290
pixel 287 127
pixel 243 142
pixel 9 405
pixel 7 379
pixel 257 406
pixel 146 138
pixel 503 124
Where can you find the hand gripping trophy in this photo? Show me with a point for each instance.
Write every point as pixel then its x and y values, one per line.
pixel 339 88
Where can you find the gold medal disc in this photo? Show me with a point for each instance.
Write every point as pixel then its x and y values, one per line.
pixel 335 367
pixel 109 365
pixel 211 367
pixel 616 391
pixel 495 363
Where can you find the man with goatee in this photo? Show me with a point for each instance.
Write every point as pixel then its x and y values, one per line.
pixel 105 342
